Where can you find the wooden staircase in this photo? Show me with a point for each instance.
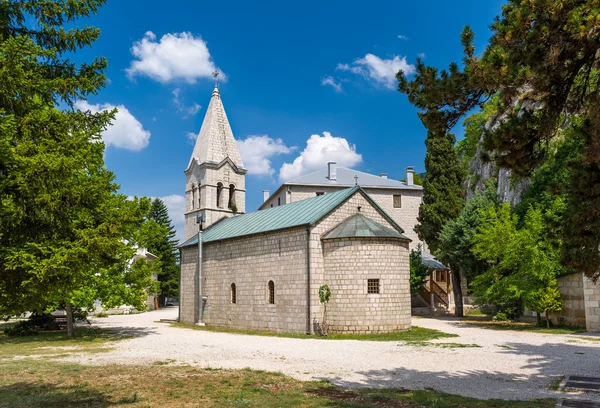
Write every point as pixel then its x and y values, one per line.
pixel 440 296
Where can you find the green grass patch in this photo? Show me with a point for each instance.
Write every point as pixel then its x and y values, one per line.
pixel 523 326
pixel 414 334
pixel 475 312
pixel 443 345
pixel 588 338
pixel 43 384
pixel 555 385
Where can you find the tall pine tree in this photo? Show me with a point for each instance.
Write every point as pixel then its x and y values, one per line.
pixel 442 186
pixel 66 235
pixel 165 247
pixel 543 63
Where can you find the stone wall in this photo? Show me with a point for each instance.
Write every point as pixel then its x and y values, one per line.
pixel 571 290
pixel 206 199
pixel 349 263
pixel 319 273
pixel 591 293
pixel 250 263
pixel 188 299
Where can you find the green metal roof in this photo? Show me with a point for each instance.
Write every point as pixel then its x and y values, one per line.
pixel 296 214
pixel 359 226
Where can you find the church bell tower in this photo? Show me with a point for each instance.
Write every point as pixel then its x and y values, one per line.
pixel 215 176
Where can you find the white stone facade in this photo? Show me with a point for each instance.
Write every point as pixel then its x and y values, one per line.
pixel 282 256
pixel 215 177
pixel 591 294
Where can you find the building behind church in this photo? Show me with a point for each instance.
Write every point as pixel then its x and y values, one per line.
pixel 400 199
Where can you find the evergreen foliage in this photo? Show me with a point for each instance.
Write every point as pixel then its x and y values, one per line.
pixel 164 245
pixel 543 63
pixel 456 242
pixel 66 236
pixel 418 271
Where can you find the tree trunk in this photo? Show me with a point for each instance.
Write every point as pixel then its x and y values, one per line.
pixel 70 326
pixel 324 318
pixel 539 318
pixel 458 296
pixel 547 320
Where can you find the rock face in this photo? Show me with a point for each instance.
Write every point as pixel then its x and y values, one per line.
pixel 482 168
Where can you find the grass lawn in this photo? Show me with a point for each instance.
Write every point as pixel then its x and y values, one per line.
pixel 29 378
pixel 416 335
pixel 523 326
pixel 46 384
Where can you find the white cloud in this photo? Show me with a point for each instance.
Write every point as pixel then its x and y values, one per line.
pixel 178 56
pixel 191 136
pixel 320 150
pixel 380 71
pixel 125 132
pixel 421 55
pixel 257 150
pixel 402 37
pixel 328 80
pixel 186 110
pixel 176 207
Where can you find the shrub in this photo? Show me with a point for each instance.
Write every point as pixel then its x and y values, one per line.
pixel 21 329
pixel 501 317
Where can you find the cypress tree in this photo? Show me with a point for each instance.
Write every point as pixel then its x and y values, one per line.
pixel 165 247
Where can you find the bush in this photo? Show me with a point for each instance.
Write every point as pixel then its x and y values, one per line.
pixel 500 317
pixel 21 329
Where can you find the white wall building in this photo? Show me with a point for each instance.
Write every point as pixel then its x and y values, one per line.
pixel 400 199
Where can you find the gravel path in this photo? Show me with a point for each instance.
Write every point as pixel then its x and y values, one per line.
pixel 508 365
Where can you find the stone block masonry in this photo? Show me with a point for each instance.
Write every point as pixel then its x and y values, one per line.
pixel 349 264
pixel 281 257
pixel 250 263
pixel 591 293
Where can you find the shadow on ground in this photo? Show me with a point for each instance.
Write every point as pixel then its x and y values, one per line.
pixel 546 364
pixel 31 395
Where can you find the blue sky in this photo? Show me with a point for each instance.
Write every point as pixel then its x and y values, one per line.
pixel 292 70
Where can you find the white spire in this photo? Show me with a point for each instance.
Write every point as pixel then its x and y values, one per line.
pixel 215 141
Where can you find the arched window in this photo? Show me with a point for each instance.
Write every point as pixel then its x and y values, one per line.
pixel 271 292
pixel 231 205
pixel 193 196
pixel 233 294
pixel 199 198
pixel 219 195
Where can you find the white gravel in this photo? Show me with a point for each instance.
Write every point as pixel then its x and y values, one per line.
pixel 508 365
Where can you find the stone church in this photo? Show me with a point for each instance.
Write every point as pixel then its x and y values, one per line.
pixel 262 270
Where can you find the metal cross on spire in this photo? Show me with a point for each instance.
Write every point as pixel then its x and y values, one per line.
pixel 356 180
pixel 215 75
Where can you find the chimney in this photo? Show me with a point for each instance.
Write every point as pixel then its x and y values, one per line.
pixel 332 171
pixel 266 195
pixel 383 175
pixel 410 172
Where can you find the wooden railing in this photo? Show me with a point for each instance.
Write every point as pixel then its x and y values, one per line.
pixel 438 291
pixel 426 295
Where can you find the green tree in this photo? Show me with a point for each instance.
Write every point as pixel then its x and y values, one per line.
pixel 542 62
pixel 165 247
pixel 63 227
pixel 442 186
pixel 523 261
pixel 418 271
pixel 456 241
pixel 324 295
pixel 545 299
